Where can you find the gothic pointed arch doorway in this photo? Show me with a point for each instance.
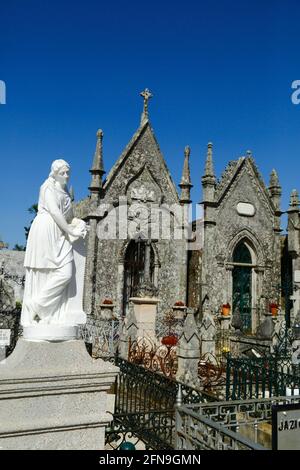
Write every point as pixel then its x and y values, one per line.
pixel 242 285
pixel 138 262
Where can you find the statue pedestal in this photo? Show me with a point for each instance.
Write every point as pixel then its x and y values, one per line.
pixel 50 332
pixel 53 395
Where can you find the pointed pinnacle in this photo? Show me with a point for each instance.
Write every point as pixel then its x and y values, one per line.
pixel 209 166
pixel 186 175
pixel 274 180
pixel 294 199
pixel 98 158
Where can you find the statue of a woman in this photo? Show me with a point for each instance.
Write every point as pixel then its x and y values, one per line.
pixel 49 258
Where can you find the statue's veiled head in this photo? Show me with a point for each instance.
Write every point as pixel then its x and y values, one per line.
pixel 60 171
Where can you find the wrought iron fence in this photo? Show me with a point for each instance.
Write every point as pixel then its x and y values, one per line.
pixel 222 342
pixel 163 359
pixel 102 338
pixel 167 326
pixel 144 414
pixel 157 358
pixel 144 407
pixel 261 377
pixel 212 374
pixel 233 425
pixel 194 431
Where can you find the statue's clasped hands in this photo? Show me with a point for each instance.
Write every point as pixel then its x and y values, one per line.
pixel 77 229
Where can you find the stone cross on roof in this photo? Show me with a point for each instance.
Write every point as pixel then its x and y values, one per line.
pixel 146 94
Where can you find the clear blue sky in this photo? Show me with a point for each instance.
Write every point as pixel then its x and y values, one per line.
pixel 219 71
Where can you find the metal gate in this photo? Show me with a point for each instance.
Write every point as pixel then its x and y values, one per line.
pixel 134 269
pixel 242 286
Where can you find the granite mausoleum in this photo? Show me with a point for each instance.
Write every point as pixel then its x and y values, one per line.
pixel 241 259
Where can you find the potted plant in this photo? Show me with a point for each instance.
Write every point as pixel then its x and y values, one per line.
pixel 170 340
pixel 225 351
pixel 226 309
pixel 273 308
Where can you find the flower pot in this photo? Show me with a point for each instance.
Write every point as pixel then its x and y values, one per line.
pixel 274 311
pixel 225 311
pixel 169 340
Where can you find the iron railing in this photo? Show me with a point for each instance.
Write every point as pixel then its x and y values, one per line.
pixel 233 425
pixel 197 432
pixel 267 376
pixel 144 406
pixel 103 338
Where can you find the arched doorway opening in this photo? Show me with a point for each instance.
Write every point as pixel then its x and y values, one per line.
pixel 242 285
pixel 135 267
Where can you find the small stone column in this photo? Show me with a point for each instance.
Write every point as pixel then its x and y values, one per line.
pixel 188 352
pixel 179 311
pixel 145 312
pixel 225 321
pixel 107 312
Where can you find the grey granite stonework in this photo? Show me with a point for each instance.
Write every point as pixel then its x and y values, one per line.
pixel 140 175
pixel 237 208
pixel 294 250
pixel 240 208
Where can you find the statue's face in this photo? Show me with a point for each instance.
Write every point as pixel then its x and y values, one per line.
pixel 63 175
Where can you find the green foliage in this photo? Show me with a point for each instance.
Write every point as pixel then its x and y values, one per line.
pixel 32 210
pixel 18 247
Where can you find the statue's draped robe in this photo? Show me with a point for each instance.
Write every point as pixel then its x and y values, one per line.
pixel 49 262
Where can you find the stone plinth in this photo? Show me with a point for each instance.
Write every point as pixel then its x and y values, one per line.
pixel 50 332
pixel 53 395
pixel 225 321
pixel 179 311
pixel 107 311
pixel 145 310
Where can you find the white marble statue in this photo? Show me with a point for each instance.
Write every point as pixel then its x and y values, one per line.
pixel 54 261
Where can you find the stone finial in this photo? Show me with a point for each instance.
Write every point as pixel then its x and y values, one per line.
pixel 185 183
pixel 274 180
pixel 294 199
pixel 209 166
pixel 178 402
pixel 275 189
pixel 146 94
pixel 97 169
pixel 209 179
pixel 249 154
pixel 98 158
